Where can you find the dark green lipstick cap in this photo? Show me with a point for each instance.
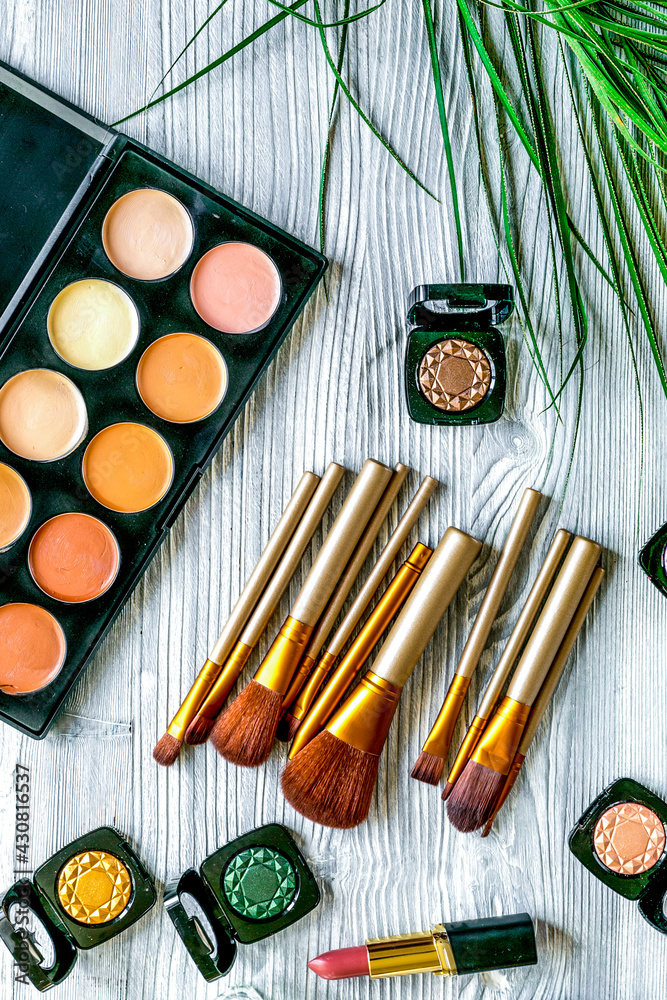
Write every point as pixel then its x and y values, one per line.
pixel 492 943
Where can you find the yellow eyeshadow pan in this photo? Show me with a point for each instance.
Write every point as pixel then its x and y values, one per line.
pixel 128 467
pixel 93 324
pixel 147 234
pixel 42 415
pixel 182 377
pixel 15 506
pixel 94 887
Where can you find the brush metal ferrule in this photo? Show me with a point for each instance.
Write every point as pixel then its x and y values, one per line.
pixel 407 954
pixel 500 741
pixel 312 685
pixel 363 720
pixel 440 737
pixel 300 677
pixel 470 741
pixel 278 666
pixel 193 699
pixel 229 675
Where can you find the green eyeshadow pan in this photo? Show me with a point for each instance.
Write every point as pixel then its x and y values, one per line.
pixel 259 883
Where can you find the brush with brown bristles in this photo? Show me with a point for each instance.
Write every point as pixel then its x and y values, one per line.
pixel 309 692
pixel 515 643
pixel 202 723
pixel 245 732
pixel 547 692
pixel 473 798
pixel 428 766
pixel 169 746
pixel 331 780
pixel 340 595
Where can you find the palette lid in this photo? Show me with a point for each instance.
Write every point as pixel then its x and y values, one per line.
pixel 21 898
pixel 459 307
pixel 201 924
pixel 49 154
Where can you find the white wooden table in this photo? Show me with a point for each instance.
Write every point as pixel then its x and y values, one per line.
pixel 255 130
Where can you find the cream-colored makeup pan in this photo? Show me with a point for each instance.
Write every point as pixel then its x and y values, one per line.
pixel 74 558
pixel 236 288
pixel 93 324
pixel 147 234
pixel 32 648
pixel 182 378
pixel 15 506
pixel 42 415
pixel 128 467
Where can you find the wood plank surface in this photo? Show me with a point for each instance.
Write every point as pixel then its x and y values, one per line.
pixel 255 129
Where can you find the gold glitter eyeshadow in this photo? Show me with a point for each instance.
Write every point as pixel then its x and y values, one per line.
pixel 94 887
pixel 454 375
pixel 629 838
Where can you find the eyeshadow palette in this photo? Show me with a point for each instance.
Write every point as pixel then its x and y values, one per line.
pixel 247 890
pixel 87 893
pixel 139 309
pixel 455 358
pixel 621 839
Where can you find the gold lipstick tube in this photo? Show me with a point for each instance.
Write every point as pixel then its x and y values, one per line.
pixel 409 954
pixel 388 606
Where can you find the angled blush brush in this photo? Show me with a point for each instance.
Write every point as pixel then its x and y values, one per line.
pixel 169 746
pixel 475 793
pixel 341 593
pixel 245 732
pixel 361 649
pixel 315 680
pixel 547 691
pixel 431 760
pixel 510 655
pixel 201 724
pixel 331 781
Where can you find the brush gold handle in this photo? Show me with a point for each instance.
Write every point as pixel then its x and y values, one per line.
pixel 524 622
pixel 283 531
pixel 499 582
pixel 554 621
pixel 442 577
pixel 340 542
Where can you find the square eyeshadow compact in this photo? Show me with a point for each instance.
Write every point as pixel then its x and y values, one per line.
pixel 621 840
pixel 455 368
pixel 248 890
pixel 138 309
pixel 87 893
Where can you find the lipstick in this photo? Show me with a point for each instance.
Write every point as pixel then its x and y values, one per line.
pixel 454 949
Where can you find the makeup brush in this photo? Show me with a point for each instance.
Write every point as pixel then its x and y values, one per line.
pixel 341 593
pixel 474 795
pixel 331 780
pixel 201 725
pixel 510 655
pixel 547 691
pixel 309 691
pixel 169 746
pixel 245 732
pixel 431 760
pixel 387 608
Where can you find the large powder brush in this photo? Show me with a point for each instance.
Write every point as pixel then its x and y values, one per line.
pixel 245 732
pixel 332 780
pixel 475 794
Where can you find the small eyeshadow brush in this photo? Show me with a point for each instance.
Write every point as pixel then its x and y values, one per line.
pixel 331 781
pixel 474 795
pixel 361 649
pixel 510 655
pixel 169 746
pixel 341 593
pixel 431 760
pixel 313 683
pixel 199 728
pixel 547 691
pixel 245 732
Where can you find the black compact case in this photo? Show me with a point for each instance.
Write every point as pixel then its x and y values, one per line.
pixel 247 890
pixel 102 857
pixel 641 846
pixel 653 559
pixel 455 366
pixel 62 171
